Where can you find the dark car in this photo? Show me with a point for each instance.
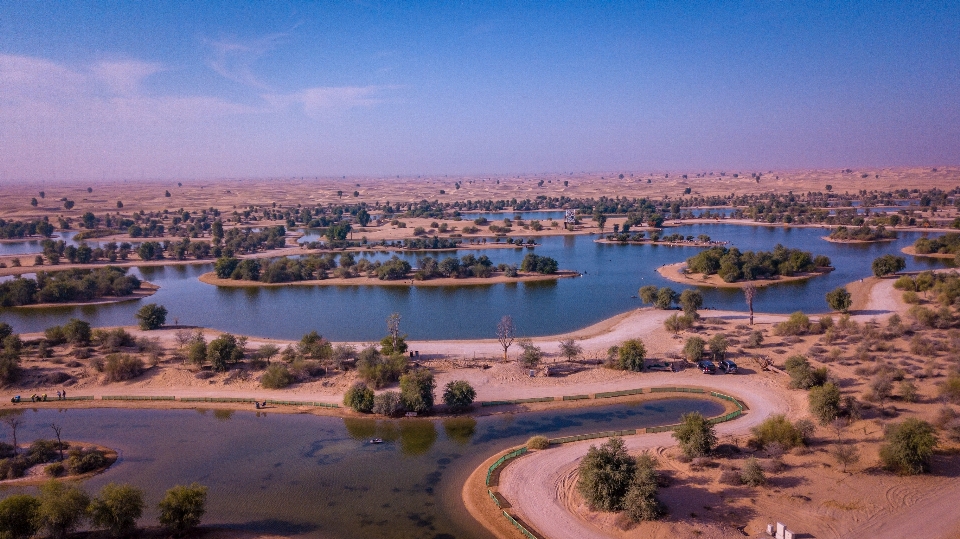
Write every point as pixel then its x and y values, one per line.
pixel 728 366
pixel 706 366
pixel 664 366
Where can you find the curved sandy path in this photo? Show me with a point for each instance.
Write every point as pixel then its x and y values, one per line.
pixel 533 484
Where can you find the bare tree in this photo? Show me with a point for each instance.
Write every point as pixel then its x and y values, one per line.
pixel 14 423
pixel 393 327
pixel 57 428
pixel 570 349
pixel 749 292
pixel 506 333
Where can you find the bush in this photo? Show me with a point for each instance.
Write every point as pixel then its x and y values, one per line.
pixel 14 467
pixel 63 507
pixel 56 469
pixel 120 367
pixel 909 447
pixel 693 349
pixel 777 428
pixel 802 375
pixel 380 370
pixel 359 397
pixel 640 502
pixel 695 435
pixel 416 390
pixel 117 508
pixel 458 395
pixel 755 339
pixel 530 356
pixel 887 264
pixel 718 346
pixel 388 404
pixel 19 516
pixel 752 473
pixel 276 377
pixel 839 299
pixel 83 461
pixel 538 442
pixel 152 316
pixel 223 350
pixel 630 355
pixel 797 324
pixel 950 389
pixel 182 507
pixel 605 474
pixel 825 402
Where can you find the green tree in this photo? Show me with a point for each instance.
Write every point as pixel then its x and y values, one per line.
pixel 909 446
pixel 752 473
pixel 690 301
pixel 605 475
pixel 359 397
pixel 695 435
pixel 825 402
pixel 839 299
pixel 77 331
pixel 665 298
pixel 182 507
pixel 718 346
pixel 648 294
pixel 117 508
pixel 693 348
pixel 416 390
pixel 777 428
pixel 531 354
pixel 19 516
pixel 222 351
pixel 276 376
pixel 152 316
pixel 458 395
pixel 888 264
pixel 570 349
pixel 630 355
pixel 640 502
pixel 63 507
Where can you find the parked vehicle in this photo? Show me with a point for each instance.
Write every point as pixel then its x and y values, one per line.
pixel 728 366
pixel 665 367
pixel 706 366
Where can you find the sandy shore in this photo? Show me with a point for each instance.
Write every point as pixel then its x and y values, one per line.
pixel 211 278
pixel 831 240
pixel 912 251
pixel 677 273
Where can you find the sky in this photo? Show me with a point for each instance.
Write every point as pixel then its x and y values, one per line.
pixel 128 90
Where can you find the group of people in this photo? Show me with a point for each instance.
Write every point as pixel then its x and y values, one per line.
pixel 43 398
pixel 259 405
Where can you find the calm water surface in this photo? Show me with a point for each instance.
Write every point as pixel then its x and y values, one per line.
pixel 314 476
pixel 612 275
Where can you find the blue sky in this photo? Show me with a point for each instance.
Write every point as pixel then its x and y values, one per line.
pixel 92 90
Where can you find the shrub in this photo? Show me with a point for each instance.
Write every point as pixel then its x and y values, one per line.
pixel 416 390
pixel 120 367
pixel 839 299
pixel 693 349
pixel 908 448
pixel 359 397
pixel 718 346
pixel 797 324
pixel 223 350
pixel 695 435
pixel 825 402
pixel 117 508
pixel 530 356
pixel 950 389
pixel 752 473
pixel 56 469
pixel 458 395
pixel 630 355
pixel 82 461
pixel 152 316
pixel 538 442
pixel 63 507
pixel 388 404
pixel 777 428
pixel 380 370
pixel 887 264
pixel 755 339
pixel 677 323
pixel 19 516
pixel 182 507
pixel 605 474
pixel 802 375
pixel 640 502
pixel 276 377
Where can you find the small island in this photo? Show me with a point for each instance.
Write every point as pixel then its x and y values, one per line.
pixel 672 240
pixel 722 267
pixel 344 269
pixel 109 284
pixel 863 234
pixel 45 459
pixel 945 246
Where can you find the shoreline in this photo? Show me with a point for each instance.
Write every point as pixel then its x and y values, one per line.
pixel 698 244
pixel 211 279
pixel 832 240
pixel 912 251
pixel 675 272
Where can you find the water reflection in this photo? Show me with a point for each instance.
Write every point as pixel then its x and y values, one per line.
pixel 417 436
pixel 460 429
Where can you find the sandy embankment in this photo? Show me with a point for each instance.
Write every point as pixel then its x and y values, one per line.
pixel 832 240
pixel 912 251
pixel 677 273
pixel 211 278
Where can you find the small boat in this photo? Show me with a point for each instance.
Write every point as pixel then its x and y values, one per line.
pixel 376 440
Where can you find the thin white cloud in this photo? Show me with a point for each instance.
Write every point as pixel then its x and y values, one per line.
pixel 234 59
pixel 124 77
